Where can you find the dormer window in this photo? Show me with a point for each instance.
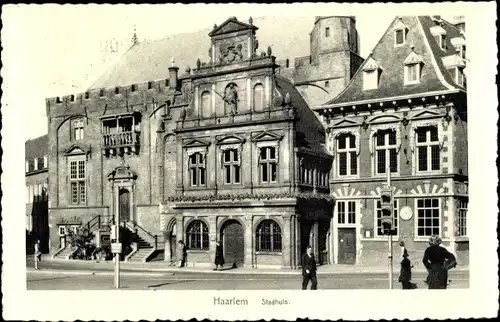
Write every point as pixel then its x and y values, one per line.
pixel 442 42
pixel 460 77
pixel 101 93
pixel 461 50
pixel 412 68
pixel 371 74
pixel 133 88
pixel 400 31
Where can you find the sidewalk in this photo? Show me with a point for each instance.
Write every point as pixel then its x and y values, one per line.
pixel 166 268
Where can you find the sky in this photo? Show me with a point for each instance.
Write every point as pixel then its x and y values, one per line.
pixel 55 49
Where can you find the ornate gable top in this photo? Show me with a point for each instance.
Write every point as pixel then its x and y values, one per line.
pixel 76 149
pixel 400 25
pixel 267 136
pixel 196 143
pixel 413 58
pixel 231 25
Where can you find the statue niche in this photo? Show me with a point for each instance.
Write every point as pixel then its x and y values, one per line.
pixel 231 99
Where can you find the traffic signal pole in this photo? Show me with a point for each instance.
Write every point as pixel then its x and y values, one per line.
pixel 390 234
pixel 117 255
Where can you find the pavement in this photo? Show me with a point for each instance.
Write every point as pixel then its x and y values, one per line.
pixel 78 267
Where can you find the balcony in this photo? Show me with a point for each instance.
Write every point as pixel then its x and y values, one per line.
pixel 122 142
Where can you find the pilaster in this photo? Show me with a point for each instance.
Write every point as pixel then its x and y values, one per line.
pixel 179 226
pixel 248 241
pixel 286 247
pixel 213 237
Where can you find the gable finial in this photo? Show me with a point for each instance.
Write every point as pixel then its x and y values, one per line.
pixel 215 26
pixel 172 62
pixel 250 21
pixel 412 46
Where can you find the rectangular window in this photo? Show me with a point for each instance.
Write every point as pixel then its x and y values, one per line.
pixel 231 166
pixel 428 217
pixel 462 217
pixel 428 149
pixel 197 169
pixel 370 79
pixel 346 212
pixel 45 162
pixel 327 32
pixel 412 74
pixel 31 165
pixel 443 42
pixel 462 52
pixel 460 76
pixel 77 129
pixel 378 211
pixel 62 230
pixel 400 37
pixel 268 164
pixel 77 181
pixel 386 151
pixel 327 84
pixel 347 159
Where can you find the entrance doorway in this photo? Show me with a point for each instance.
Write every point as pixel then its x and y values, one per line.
pixel 232 241
pixel 124 201
pixel 347 245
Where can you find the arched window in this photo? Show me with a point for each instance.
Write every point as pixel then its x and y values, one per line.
pixel 197 235
pixel 258 97
pixel 268 236
pixel 205 104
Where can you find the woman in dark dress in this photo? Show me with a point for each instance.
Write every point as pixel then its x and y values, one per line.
pixel 219 257
pixel 405 274
pixel 438 260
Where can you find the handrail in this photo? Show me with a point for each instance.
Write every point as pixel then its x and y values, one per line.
pixel 155 237
pixel 96 220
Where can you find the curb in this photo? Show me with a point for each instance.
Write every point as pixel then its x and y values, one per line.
pixel 92 273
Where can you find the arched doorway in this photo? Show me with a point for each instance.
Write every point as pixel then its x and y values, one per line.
pixel 173 243
pixel 124 201
pixel 232 237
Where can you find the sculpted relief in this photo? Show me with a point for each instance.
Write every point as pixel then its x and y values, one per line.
pixel 230 52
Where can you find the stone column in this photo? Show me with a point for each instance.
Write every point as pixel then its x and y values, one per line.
pixel 249 247
pixel 213 235
pixel 314 241
pixel 331 235
pixel 298 240
pixel 179 226
pixel 286 246
pixel 168 255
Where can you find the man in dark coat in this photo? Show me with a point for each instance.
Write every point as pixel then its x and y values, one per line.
pixel 405 274
pixel 219 256
pixel 438 260
pixel 309 270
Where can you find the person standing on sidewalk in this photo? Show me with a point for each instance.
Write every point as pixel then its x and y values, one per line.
pixel 309 270
pixel 219 256
pixel 438 260
pixel 405 273
pixel 37 254
pixel 181 254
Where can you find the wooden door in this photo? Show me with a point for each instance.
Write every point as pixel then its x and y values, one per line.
pixel 347 245
pixel 233 243
pixel 124 205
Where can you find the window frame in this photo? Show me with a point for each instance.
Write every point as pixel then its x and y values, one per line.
pixel 387 147
pixel 199 167
pixel 203 234
pixel 79 181
pixel 327 32
pixel 77 129
pixel 262 97
pixel 205 98
pixel 462 212
pixel 346 213
pixel 371 82
pixel 348 150
pixel 417 218
pixel 429 144
pixel 442 42
pixel 275 237
pixel 403 31
pixel 63 231
pixel 378 213
pixel 267 163
pixel 407 68
pixel 459 76
pixel 234 166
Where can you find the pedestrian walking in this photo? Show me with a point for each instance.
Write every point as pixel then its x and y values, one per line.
pixel 37 254
pixel 405 273
pixel 181 254
pixel 219 256
pixel 309 270
pixel 438 260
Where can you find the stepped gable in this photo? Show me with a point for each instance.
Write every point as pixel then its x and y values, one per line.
pixel 420 43
pixel 36 148
pixel 149 60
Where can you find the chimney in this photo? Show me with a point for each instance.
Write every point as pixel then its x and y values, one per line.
pixel 173 75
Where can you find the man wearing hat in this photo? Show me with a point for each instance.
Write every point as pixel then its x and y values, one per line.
pixel 438 260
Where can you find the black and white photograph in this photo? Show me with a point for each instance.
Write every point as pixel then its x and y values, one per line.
pixel 278 148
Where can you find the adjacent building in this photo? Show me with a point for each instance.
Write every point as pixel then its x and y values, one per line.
pixel 404 110
pixel 36 178
pixel 226 150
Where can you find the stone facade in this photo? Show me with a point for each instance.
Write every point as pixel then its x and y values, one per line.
pixel 36 179
pixel 417 126
pixel 228 150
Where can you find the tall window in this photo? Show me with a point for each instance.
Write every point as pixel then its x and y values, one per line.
pixel 428 217
pixel 428 149
pixel 205 104
pixel 378 211
pixel 347 160
pixel 258 97
pixel 462 217
pixel 460 77
pixel 399 37
pixel 39 163
pixel 77 181
pixel 77 129
pixel 327 32
pixel 462 52
pixel 197 169
pixel 268 236
pixel 31 165
pixel 231 165
pixel 370 79
pixel 268 164
pixel 412 73
pixel 346 212
pixel 442 42
pixel 197 235
pixel 386 151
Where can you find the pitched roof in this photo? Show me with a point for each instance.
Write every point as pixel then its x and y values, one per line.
pixel 36 148
pixel 420 45
pixel 149 60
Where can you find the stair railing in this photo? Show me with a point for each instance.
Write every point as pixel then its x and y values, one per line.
pixel 135 227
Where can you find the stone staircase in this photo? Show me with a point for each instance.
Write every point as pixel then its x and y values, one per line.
pixel 147 245
pixel 64 253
